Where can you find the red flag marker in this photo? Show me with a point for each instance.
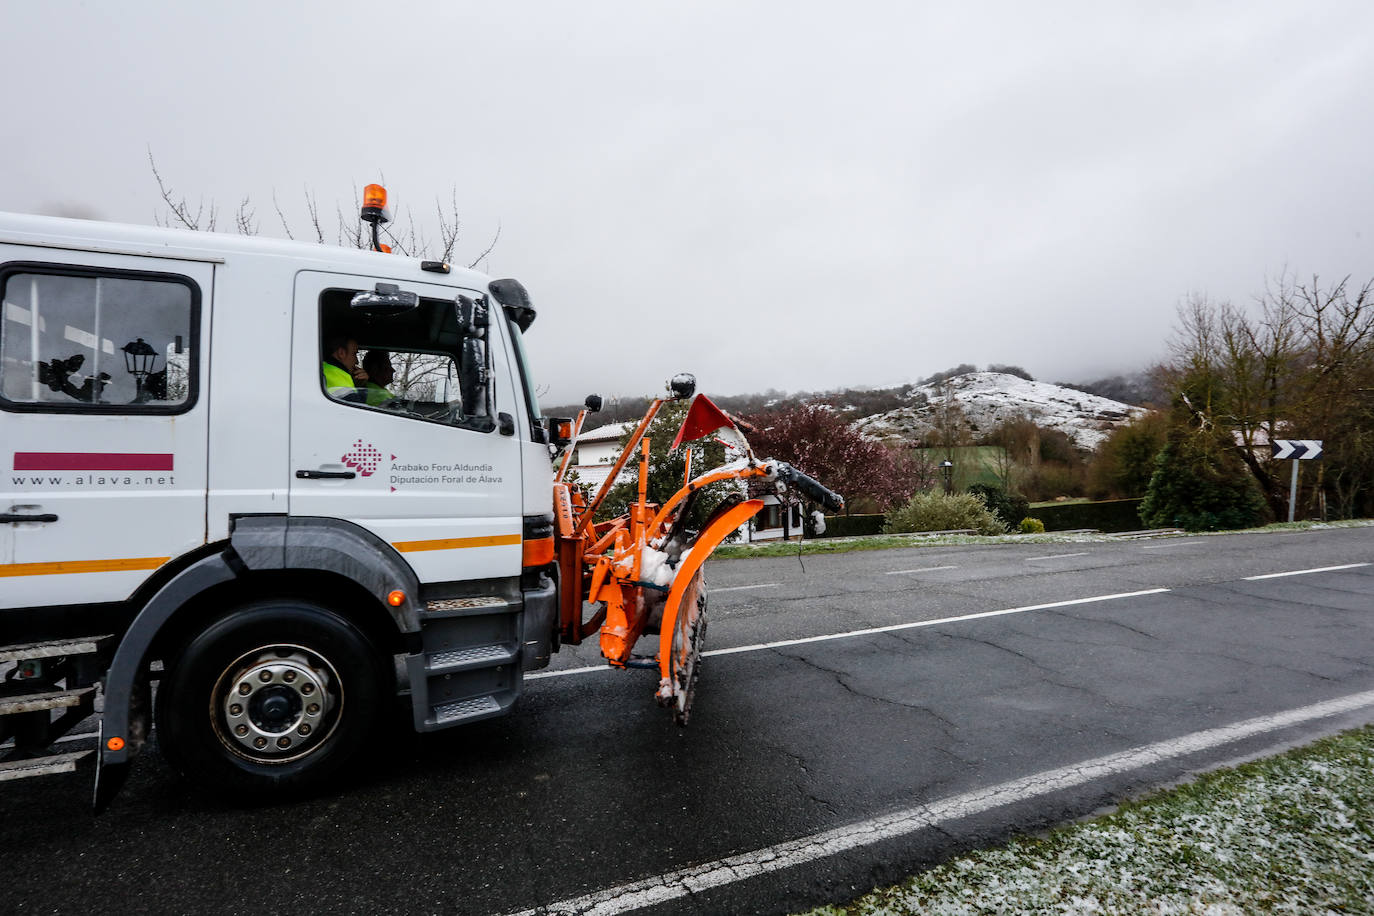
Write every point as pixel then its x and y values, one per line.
pixel 702 417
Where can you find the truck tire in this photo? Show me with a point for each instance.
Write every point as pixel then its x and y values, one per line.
pixel 269 700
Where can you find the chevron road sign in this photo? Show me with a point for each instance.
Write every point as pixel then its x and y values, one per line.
pixel 1297 449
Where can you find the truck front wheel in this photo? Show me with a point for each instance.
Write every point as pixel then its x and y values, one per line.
pixel 270 699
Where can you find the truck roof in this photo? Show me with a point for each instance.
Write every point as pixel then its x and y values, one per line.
pixel 214 247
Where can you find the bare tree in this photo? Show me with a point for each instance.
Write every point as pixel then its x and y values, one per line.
pixel 179 208
pixel 951 425
pixel 402 234
pixel 1292 367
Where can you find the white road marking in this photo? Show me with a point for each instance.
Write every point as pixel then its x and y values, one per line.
pixel 871 630
pixel 740 588
pixel 903 572
pixel 1303 572
pixel 663 888
pixel 930 623
pixel 540 675
pixel 1057 556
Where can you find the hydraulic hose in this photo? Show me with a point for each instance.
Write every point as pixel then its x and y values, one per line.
pixel 809 487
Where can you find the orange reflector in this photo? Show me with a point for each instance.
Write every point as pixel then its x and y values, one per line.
pixel 374 195
pixel 565 429
pixel 115 744
pixel 396 598
pixel 536 553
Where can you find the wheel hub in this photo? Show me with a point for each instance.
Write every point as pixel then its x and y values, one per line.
pixel 277 703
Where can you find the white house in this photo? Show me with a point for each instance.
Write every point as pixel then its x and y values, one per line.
pixel 597 450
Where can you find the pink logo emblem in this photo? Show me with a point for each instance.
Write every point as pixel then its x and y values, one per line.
pixel 363 458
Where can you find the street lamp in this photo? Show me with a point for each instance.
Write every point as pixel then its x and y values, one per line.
pixel 947 468
pixel 139 358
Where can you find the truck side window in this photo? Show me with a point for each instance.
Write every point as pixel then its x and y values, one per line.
pixel 74 339
pixel 415 362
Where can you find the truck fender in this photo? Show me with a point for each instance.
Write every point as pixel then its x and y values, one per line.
pixel 335 546
pixel 122 679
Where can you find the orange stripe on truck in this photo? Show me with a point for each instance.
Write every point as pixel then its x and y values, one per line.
pixel 494 540
pixel 66 567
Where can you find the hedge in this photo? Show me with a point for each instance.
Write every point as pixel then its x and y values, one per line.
pixel 846 526
pixel 1108 515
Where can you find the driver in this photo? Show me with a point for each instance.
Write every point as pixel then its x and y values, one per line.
pixel 377 365
pixel 343 377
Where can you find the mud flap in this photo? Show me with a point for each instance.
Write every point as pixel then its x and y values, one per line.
pixel 684 619
pixel 109 777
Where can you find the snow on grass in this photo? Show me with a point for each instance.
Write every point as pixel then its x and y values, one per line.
pixel 1289 834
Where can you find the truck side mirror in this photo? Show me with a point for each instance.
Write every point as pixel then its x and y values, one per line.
pixel 472 316
pixel 472 377
pixel 515 301
pixel 385 299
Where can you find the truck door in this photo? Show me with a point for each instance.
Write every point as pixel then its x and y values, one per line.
pixel 104 421
pixel 421 457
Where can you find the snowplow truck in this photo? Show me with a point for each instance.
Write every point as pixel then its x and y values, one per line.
pixel 257 490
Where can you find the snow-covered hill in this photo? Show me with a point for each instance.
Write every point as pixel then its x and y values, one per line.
pixel 989 398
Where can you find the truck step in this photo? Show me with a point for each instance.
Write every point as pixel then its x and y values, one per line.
pixel 57 648
pixel 35 702
pixel 43 766
pixel 478 605
pixel 475 708
pixel 470 657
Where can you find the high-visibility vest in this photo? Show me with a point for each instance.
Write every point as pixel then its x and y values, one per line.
pixel 337 382
pixel 376 394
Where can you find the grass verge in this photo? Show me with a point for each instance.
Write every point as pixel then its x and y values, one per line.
pixel 889 541
pixel 1287 834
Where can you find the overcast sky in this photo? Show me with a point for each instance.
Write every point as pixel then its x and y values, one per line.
pixel 783 195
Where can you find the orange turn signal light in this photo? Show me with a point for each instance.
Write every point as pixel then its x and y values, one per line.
pixel 374 195
pixel 536 553
pixel 396 598
pixel 115 744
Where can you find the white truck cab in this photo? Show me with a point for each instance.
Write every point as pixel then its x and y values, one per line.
pixel 194 493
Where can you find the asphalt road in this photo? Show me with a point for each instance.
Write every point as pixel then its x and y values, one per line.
pixel 813 769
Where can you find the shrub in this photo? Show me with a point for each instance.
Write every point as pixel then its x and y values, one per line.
pixel 1032 526
pixel 1200 484
pixel 1007 507
pixel 943 512
pixel 1125 462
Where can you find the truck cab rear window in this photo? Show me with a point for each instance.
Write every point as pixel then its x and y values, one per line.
pixel 78 340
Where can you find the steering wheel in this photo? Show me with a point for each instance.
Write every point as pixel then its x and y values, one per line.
pixel 399 406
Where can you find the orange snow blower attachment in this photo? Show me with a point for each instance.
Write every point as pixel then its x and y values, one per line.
pixel 642 572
